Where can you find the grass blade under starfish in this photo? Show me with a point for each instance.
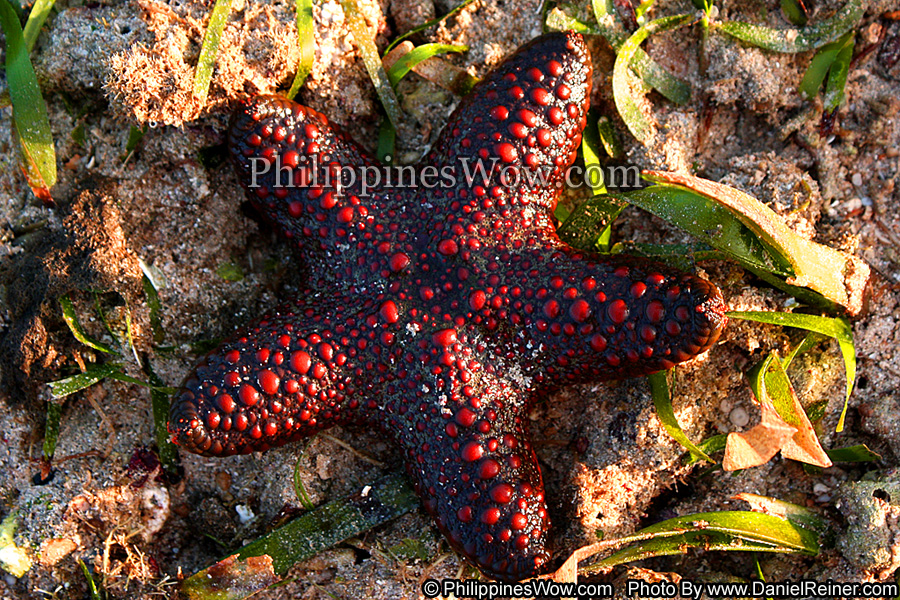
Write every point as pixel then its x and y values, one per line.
pixel 135 135
pixel 590 144
pixel 155 307
pixel 92 585
pixel 372 60
pixel 387 142
pixel 51 430
pixel 609 139
pixel 36 18
pixel 683 257
pixel 650 72
pixel 705 216
pixel 210 49
pixel 71 319
pixel 837 276
pixel 610 23
pixel 306 39
pixel 708 222
pixel 558 20
pixel 32 124
pixel 837 76
pixel 800 39
pixel 709 446
pixel 95 373
pixel 794 513
pixel 857 453
pixel 625 98
pixel 580 228
pixel 820 65
pixel 159 401
pixel 795 12
pixel 811 339
pixel 728 531
pixel 426 25
pixel 838 328
pixel 262 562
pixel 447 75
pixel 91 375
pixel 415 56
pixel 662 401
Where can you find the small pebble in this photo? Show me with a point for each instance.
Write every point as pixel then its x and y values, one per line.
pixel 853 204
pixel 739 417
pixel 322 467
pixel 245 513
pixel 223 480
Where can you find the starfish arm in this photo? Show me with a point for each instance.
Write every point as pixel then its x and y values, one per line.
pixel 290 374
pixel 523 123
pixel 311 181
pixel 467 450
pixel 589 317
pixel 573 316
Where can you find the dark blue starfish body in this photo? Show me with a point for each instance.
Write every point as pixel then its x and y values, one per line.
pixel 435 312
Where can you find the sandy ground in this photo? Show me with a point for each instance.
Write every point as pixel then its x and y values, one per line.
pixel 608 465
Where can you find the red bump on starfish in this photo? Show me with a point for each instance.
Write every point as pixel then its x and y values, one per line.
pixel 436 313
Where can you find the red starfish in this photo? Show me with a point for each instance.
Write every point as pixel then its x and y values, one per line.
pixel 435 312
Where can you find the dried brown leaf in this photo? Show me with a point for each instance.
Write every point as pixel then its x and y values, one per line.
pixel 568 571
pixel 757 446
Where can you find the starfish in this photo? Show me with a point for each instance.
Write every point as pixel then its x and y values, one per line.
pixel 436 312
